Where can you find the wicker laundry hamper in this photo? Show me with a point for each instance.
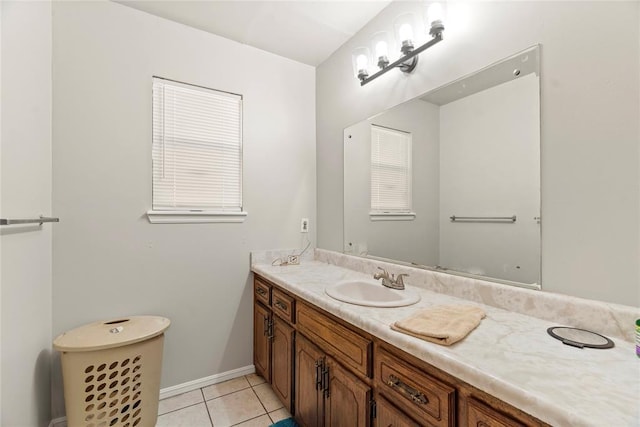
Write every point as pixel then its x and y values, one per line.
pixel 111 372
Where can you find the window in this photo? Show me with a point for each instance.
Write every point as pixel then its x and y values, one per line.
pixel 196 153
pixel 390 174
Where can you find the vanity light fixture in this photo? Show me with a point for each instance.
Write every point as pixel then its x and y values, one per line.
pixel 405 29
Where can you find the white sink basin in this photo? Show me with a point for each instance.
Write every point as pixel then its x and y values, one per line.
pixel 371 293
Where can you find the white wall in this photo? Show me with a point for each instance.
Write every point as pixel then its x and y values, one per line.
pixel 490 166
pixel 590 130
pixel 415 240
pixel 25 187
pixel 108 260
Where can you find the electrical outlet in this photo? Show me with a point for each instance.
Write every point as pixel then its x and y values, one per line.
pixel 293 260
pixel 304 225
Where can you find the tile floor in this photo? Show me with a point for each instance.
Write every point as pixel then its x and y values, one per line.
pixel 245 401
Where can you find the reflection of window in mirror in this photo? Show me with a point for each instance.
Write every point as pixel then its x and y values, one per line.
pixel 390 170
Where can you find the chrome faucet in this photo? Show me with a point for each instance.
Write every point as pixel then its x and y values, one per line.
pixel 393 282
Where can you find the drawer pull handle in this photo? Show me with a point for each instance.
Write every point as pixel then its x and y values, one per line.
pixel 261 291
pixel 281 305
pixel 415 395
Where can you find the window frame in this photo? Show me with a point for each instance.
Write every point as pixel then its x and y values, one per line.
pixel 198 215
pixel 391 214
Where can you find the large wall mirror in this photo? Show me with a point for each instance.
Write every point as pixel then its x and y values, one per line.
pixel 451 179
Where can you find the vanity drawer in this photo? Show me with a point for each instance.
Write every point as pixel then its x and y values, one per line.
pixel 262 291
pixel 417 393
pixel 481 415
pixel 282 305
pixel 345 345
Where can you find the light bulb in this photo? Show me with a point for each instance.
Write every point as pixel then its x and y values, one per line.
pixel 382 49
pixel 362 62
pixel 405 32
pixel 435 12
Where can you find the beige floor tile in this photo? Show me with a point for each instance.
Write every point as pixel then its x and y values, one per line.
pixel 267 397
pixel 234 408
pixel 262 421
pixel 279 414
pixel 255 379
pixel 180 401
pixel 226 387
pixel 193 416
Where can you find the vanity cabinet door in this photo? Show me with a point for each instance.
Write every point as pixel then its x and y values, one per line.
pixel 282 361
pixel 262 340
pixel 347 399
pixel 309 400
pixel 388 416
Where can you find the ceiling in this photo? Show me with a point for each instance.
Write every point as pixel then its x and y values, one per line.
pixel 305 31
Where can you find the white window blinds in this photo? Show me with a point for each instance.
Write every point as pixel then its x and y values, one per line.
pixel 197 148
pixel 390 170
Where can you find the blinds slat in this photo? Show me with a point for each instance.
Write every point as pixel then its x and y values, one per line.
pixel 197 148
pixel 390 170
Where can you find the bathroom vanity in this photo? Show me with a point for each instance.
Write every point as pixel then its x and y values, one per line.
pixel 333 363
pixel 337 374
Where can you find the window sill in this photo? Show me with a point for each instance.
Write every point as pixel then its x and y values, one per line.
pixel 392 216
pixel 194 217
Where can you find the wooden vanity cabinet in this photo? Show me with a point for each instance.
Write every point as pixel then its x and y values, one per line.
pixel 430 397
pixel 308 383
pixel 388 415
pixel 348 400
pixel 343 343
pixel 262 341
pixel 329 373
pixel 332 371
pixel 274 339
pixel 326 393
pixel 481 415
pixel 282 361
pixel 413 390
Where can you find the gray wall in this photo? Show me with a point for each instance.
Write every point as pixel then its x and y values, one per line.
pixel 108 260
pixel 25 186
pixel 590 110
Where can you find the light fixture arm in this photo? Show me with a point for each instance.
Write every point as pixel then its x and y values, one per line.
pixel 402 62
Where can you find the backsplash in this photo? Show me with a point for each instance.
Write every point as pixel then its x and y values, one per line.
pixel 609 319
pixel 272 255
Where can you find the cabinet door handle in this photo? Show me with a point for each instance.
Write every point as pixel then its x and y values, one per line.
pixel 281 305
pixel 265 326
pixel 270 329
pixel 318 374
pixel 412 393
pixel 325 381
pixel 261 291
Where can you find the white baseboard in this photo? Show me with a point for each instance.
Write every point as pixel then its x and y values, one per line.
pixel 206 381
pixel 184 387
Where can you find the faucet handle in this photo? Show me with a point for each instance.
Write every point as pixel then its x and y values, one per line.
pixel 384 275
pixel 399 279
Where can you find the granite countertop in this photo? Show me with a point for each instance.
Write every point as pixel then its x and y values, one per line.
pixel 510 355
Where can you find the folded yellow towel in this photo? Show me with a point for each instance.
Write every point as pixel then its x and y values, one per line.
pixel 445 324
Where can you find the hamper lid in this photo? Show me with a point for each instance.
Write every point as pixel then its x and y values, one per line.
pixel 111 333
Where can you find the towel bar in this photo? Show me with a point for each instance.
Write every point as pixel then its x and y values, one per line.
pixel 512 218
pixel 41 220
